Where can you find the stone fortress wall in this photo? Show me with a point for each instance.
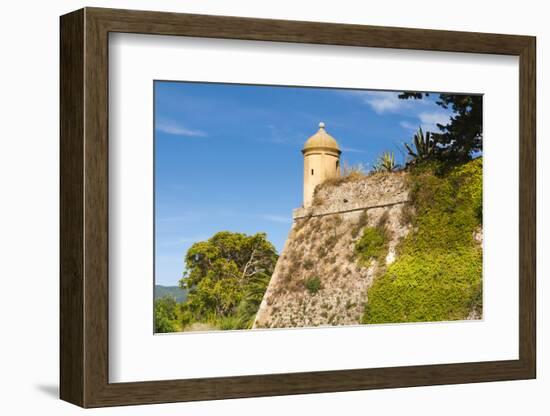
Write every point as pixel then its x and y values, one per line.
pixel 321 245
pixel 377 190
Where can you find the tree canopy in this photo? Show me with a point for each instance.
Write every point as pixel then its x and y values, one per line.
pixel 462 137
pixel 227 276
pixel 166 316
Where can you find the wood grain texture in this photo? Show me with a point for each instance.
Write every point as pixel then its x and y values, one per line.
pixel 71 213
pixel 84 207
pixel 162 23
pixel 96 208
pixel 527 207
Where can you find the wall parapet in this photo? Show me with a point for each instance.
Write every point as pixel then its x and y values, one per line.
pixel 299 213
pixel 372 191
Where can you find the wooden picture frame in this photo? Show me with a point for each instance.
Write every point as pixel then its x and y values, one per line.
pixel 84 207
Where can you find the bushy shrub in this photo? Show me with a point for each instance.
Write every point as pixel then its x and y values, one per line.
pixel 166 316
pixel 372 245
pixel 228 323
pixel 438 273
pixel 313 285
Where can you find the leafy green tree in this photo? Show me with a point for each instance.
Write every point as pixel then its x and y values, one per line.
pixel 462 137
pixel 166 316
pixel 227 276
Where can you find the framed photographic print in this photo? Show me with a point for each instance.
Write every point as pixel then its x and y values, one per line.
pixel 255 207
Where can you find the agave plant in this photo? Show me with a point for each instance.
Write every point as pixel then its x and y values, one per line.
pixel 386 163
pixel 425 146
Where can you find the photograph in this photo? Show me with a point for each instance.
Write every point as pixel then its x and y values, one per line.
pixel 283 203
pixel 301 207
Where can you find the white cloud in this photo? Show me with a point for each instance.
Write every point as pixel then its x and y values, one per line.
pixel 381 101
pixel 351 150
pixel 176 129
pixel 436 117
pixel 428 121
pixel 276 218
pixel 385 101
pixel 408 125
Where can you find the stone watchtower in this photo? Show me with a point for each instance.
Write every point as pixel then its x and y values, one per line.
pixel 321 161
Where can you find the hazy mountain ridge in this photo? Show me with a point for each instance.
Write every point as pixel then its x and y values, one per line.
pixel 179 294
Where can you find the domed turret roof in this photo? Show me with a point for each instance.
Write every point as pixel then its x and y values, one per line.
pixel 321 139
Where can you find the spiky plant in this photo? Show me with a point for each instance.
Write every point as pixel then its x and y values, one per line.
pixel 386 163
pixel 425 146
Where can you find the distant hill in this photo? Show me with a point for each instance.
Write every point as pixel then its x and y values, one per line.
pixel 174 291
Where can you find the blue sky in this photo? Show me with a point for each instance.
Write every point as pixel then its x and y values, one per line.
pixel 227 156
